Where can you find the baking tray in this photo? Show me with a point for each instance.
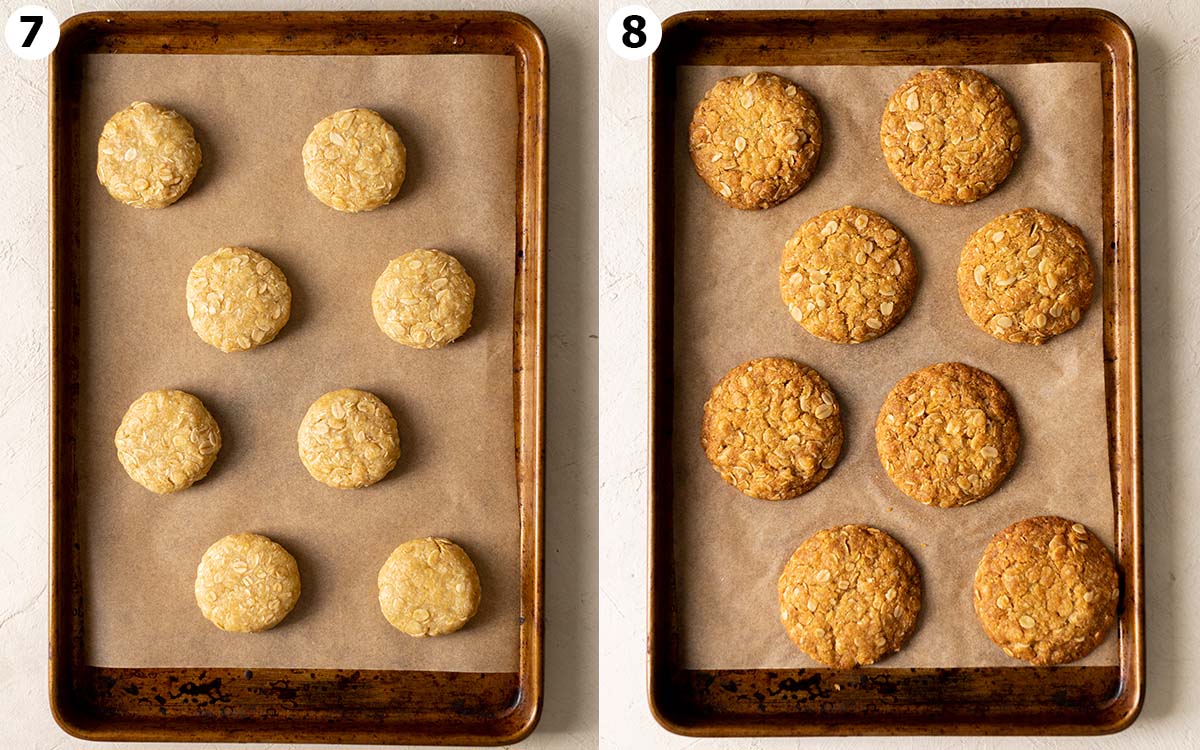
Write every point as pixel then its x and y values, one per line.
pixel 294 705
pixel 1017 700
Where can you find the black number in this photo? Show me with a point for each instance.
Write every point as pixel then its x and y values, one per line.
pixel 633 37
pixel 33 30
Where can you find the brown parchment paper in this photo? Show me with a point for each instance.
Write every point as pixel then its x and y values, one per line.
pixel 456 478
pixel 730 549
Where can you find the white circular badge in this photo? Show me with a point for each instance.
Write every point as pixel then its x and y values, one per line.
pixel 634 32
pixel 31 32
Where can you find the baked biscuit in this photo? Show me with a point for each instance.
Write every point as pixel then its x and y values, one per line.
pixel 349 439
pixel 1025 276
pixel 1046 590
pixel 755 139
pixel 849 595
pixel 246 583
pixel 772 428
pixel 847 275
pixel 148 156
pixel 949 135
pixel 428 587
pixel 947 435
pixel 237 299
pixel 424 299
pixel 354 161
pixel 167 441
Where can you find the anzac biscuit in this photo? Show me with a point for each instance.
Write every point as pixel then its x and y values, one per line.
pixel 1046 590
pixel 354 161
pixel 1025 276
pixel 428 587
pixel 246 583
pixel 947 435
pixel 949 135
pixel 756 139
pixel 349 439
pixel 847 275
pixel 167 441
pixel 237 299
pixel 424 299
pixel 148 156
pixel 849 596
pixel 772 428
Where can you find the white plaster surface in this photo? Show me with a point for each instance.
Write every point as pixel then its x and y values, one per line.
pixel 569 716
pixel 1168 37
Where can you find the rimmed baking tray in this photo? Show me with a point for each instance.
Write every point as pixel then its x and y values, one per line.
pixel 982 700
pixel 294 705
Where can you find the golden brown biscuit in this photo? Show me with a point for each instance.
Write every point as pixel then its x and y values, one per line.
pixel 148 156
pixel 1025 276
pixel 1046 590
pixel 949 135
pixel 349 439
pixel 167 441
pixel 246 583
pixel 428 587
pixel 354 161
pixel 849 595
pixel 237 299
pixel 756 139
pixel 847 275
pixel 948 435
pixel 772 428
pixel 424 299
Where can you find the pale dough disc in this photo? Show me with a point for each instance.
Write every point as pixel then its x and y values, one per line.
pixel 237 299
pixel 349 439
pixel 428 587
pixel 424 299
pixel 148 156
pixel 246 583
pixel 354 161
pixel 167 441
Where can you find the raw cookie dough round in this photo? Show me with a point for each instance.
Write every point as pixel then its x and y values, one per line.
pixel 349 439
pixel 424 299
pixel 1046 590
pixel 847 275
pixel 148 156
pixel 428 587
pixel 237 299
pixel 246 583
pixel 849 595
pixel 354 161
pixel 1025 276
pixel 756 139
pixel 772 428
pixel 949 135
pixel 167 441
pixel 948 435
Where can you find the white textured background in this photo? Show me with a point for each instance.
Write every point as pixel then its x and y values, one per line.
pixel 569 718
pixel 1168 38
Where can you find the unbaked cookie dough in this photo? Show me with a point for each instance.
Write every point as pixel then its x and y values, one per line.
pixel 424 299
pixel 237 299
pixel 148 156
pixel 354 161
pixel 167 441
pixel 428 587
pixel 246 583
pixel 349 439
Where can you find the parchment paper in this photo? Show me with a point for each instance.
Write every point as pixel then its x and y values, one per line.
pixel 456 478
pixel 730 549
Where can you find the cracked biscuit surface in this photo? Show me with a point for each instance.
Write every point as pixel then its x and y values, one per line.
pixel 148 156
pixel 349 439
pixel 424 299
pixel 428 587
pixel 1046 590
pixel 755 140
pixel 772 428
pixel 848 275
pixel 167 441
pixel 1025 277
pixel 947 435
pixel 246 583
pixel 354 161
pixel 237 299
pixel 849 595
pixel 949 135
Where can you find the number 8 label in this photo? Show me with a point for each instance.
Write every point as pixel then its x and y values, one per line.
pixel 634 32
pixel 31 32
